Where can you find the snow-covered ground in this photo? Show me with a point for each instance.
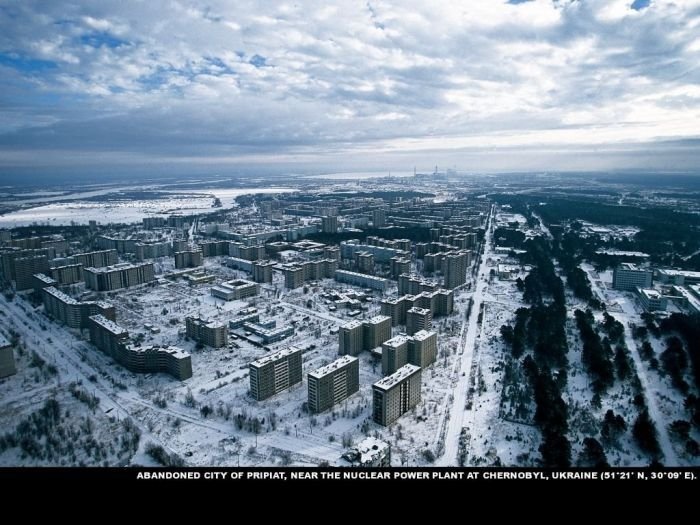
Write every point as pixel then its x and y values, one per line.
pixel 70 208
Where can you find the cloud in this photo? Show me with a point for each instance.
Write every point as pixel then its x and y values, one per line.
pixel 274 82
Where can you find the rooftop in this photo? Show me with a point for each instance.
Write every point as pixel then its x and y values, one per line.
pixel 276 356
pixel 335 365
pixel 402 373
pixel 631 267
pixel 419 311
pixel 352 324
pixel 371 447
pixel 422 335
pixel 650 293
pixel 4 342
pixel 378 319
pixel 174 351
pixel 684 273
pixel 117 267
pixel 58 294
pixel 109 325
pixel 397 340
pixel 45 278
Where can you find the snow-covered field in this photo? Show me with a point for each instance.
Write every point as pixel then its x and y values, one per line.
pixel 68 209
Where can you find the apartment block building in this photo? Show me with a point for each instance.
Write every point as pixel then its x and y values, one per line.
pixel 7 358
pixel 333 383
pixel 188 259
pixel 274 373
pixel 418 319
pixel 118 276
pixel 396 394
pixel 629 277
pixel 207 332
pixel 72 313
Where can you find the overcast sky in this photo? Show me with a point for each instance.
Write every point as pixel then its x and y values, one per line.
pixel 188 86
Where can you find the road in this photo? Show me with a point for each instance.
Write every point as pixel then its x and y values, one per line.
pixel 456 419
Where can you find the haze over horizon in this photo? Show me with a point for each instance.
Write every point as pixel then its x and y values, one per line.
pixel 192 87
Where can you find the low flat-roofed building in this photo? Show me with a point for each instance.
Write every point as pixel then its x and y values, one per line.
pixel 678 277
pixel 235 290
pixel 362 280
pixel 651 299
pixel 369 453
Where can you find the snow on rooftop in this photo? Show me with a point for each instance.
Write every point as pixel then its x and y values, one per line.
pixel 622 253
pixel 684 273
pixel 274 357
pixel 174 351
pixel 45 278
pixel 402 373
pixel 397 340
pixel 335 365
pixel 108 324
pixel 378 319
pixel 4 342
pixel 117 267
pixel 371 447
pixel 58 294
pixel 421 335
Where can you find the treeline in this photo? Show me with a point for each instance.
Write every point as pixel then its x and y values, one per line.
pixel 569 250
pixel 596 357
pixel 541 328
pixel 551 415
pixel 665 234
pixel 509 237
pixel 674 360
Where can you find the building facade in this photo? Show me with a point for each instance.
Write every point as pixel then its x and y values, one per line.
pixel 7 359
pixel 351 339
pixel 376 330
pixel 118 276
pixel 207 332
pixel 396 394
pixel 235 290
pixel 629 277
pixel 418 319
pixel 274 373
pixel 333 383
pixel 188 259
pixel 72 313
pixel 98 259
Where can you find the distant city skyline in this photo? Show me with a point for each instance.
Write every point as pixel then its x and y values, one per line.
pixel 193 88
